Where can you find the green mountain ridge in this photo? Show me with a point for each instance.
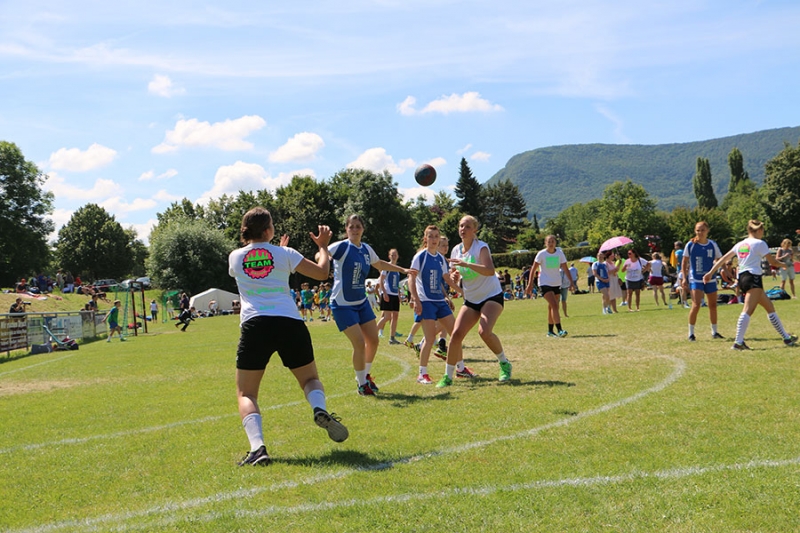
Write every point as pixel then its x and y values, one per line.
pixel 555 177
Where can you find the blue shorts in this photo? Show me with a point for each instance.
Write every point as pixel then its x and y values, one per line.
pixel 351 315
pixel 602 285
pixel 434 310
pixel 707 288
pixel 112 325
pixel 308 305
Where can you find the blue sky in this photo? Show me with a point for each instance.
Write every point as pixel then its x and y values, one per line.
pixel 134 105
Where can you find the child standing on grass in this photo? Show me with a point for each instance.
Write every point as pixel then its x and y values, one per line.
pixel 751 252
pixel 307 302
pixel 550 261
pixel 113 321
pixel 270 322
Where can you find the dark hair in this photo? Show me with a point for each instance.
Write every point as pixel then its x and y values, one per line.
pixel 254 223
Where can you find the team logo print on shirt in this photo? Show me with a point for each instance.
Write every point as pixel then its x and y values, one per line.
pixel 743 251
pixel 258 263
pixel 466 272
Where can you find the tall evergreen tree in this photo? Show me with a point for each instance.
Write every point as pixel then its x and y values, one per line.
pixel 703 188
pixel 468 192
pixel 736 165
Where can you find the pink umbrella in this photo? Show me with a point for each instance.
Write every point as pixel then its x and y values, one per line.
pixel 615 242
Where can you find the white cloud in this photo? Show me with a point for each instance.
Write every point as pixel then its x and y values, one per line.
pixel 162 85
pixel 619 135
pixel 228 135
pixel 59 217
pixel 469 102
pixel 377 160
pixel 150 175
pixel 119 207
pixel 464 150
pixel 437 162
pixel 302 147
pixel 75 160
pixel 102 188
pixel 243 176
pixel 480 156
pixel 164 196
pixel 143 230
pixel 413 193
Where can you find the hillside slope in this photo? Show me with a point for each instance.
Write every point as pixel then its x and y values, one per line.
pixel 553 178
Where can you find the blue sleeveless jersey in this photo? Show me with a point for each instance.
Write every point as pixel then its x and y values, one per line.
pixel 429 280
pixel 351 265
pixel 701 259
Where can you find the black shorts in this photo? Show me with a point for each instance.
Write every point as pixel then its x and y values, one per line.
pixel 392 305
pixel 544 289
pixel 496 298
pixel 749 281
pixel 261 336
pixel 635 285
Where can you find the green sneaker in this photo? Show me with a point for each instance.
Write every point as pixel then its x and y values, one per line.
pixel 444 382
pixel 505 371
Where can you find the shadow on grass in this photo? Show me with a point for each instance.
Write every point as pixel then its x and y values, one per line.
pixel 407 400
pixel 605 335
pixel 15 357
pixel 350 458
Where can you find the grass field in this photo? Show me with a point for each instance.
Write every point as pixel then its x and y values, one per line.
pixel 622 426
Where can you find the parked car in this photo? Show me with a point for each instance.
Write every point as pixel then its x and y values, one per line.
pixel 145 281
pixel 582 244
pixel 105 285
pixel 520 251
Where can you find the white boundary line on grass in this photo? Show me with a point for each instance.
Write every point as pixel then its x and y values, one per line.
pixel 404 370
pixel 102 522
pixel 37 364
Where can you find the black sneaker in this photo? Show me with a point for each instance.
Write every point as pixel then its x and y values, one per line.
pixel 371 383
pixel 331 423
pixel 365 390
pixel 791 340
pixel 258 457
pixel 737 346
pixel 717 336
pixel 692 338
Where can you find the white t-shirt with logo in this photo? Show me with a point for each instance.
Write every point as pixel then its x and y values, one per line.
pixel 550 267
pixel 477 288
pixel 750 253
pixel 262 274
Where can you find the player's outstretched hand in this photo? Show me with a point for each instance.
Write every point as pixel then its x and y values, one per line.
pixel 323 236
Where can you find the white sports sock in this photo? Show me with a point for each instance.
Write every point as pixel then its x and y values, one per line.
pixel 777 324
pixel 368 367
pixel 252 427
pixel 501 357
pixel 450 370
pixel 460 366
pixel 316 398
pixel 741 327
pixel 361 377
pixel 423 370
pixel 713 329
pixel 691 329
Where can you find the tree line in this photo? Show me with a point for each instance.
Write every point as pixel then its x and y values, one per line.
pixel 189 245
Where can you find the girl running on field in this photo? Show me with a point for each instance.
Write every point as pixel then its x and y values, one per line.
pixel 270 322
pixel 351 309
pixel 751 252
pixel 472 269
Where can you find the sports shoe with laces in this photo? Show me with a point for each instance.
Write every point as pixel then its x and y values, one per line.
pixel 441 354
pixel 692 338
pixel 552 335
pixel 717 336
pixel 394 341
pixel 424 379
pixel 466 373
pixel 562 333
pixel 332 424
pixel 791 340
pixel 258 457
pixel 365 390
pixel 371 383
pixel 505 371
pixel 737 346
pixel 444 382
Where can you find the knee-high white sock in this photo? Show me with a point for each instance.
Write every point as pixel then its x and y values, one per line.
pixel 252 427
pixel 316 398
pixel 741 327
pixel 776 323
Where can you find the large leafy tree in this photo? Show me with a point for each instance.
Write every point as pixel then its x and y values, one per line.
pixel 300 207
pixel 94 244
pixel 703 187
pixel 781 191
pixel 626 209
pixel 138 252
pixel 468 192
pixel 23 208
pixel 682 221
pixel 572 225
pixel 375 198
pixel 505 213
pixel 190 255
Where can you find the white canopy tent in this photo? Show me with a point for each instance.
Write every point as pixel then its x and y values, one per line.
pixel 224 299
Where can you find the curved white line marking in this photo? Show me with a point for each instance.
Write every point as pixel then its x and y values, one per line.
pixel 101 522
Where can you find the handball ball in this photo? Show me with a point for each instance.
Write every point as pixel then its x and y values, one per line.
pixel 425 175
